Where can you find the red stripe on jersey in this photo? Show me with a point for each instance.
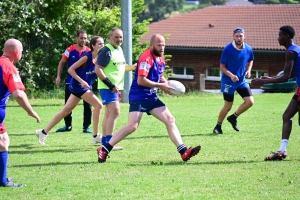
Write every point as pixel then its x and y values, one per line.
pixel 145 63
pixel 65 55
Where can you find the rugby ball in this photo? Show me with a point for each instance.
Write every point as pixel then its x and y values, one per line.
pixel 179 88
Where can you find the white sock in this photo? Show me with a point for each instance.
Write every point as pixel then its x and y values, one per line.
pixel 283 145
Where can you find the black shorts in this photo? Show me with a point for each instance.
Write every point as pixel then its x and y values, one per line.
pixel 243 92
pixel 78 94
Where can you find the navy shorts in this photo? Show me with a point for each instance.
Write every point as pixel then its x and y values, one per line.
pixel 145 105
pixel 78 94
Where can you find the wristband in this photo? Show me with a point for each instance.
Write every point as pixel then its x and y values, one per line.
pixel 109 84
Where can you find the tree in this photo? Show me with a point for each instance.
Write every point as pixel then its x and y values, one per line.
pixel 158 9
pixel 47 27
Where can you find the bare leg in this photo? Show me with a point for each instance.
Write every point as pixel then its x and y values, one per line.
pixel 134 119
pixel 248 102
pixel 112 111
pixel 164 115
pixel 287 116
pixel 224 111
pixel 92 99
pixel 70 105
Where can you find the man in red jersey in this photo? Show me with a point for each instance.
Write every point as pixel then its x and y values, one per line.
pixel 10 83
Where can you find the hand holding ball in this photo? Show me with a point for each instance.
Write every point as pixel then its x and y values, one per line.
pixel 179 88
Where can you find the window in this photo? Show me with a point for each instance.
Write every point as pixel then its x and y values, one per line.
pixel 214 74
pixel 183 72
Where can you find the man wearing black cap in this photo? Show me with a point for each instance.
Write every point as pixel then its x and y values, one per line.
pixel 235 63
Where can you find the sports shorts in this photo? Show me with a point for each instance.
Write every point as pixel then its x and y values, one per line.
pixel 107 96
pixel 145 105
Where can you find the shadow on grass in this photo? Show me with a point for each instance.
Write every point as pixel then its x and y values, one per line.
pixel 133 137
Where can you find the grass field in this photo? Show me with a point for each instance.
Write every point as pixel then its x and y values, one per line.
pixel 229 166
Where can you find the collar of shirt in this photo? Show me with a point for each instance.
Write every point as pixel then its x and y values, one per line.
pixel 234 45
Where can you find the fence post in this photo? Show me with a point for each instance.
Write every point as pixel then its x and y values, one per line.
pixel 202 82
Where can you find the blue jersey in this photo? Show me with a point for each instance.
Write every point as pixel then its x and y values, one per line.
pixel 72 55
pixel 86 73
pixel 236 61
pixel 296 67
pixel 148 66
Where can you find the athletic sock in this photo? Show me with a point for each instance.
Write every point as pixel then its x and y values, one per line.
pixel 3 167
pixel 103 140
pixel 107 138
pixel 283 145
pixel 234 116
pixel 43 131
pixel 107 147
pixel 219 124
pixel 181 149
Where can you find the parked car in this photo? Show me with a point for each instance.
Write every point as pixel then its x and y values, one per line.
pixel 288 86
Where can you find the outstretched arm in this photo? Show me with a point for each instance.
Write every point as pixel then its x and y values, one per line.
pixel 22 100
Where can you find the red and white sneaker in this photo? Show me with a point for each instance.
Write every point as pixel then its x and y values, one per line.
pixel 102 154
pixel 280 155
pixel 190 152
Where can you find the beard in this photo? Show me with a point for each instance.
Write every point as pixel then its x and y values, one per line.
pixel 157 53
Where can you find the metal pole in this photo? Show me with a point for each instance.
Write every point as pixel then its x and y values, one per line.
pixel 126 25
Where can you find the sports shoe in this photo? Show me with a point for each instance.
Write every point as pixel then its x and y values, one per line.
pixel 117 148
pixel 11 184
pixel 102 154
pixel 233 122
pixel 280 155
pixel 190 153
pixel 97 139
pixel 41 136
pixel 218 130
pixel 64 129
pixel 87 130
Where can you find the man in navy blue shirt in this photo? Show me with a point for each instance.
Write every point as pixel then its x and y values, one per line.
pixel 71 55
pixel 236 63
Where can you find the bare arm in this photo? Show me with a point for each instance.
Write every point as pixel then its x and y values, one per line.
pixel 21 97
pixel 249 67
pixel 224 69
pixel 59 70
pixel 80 63
pixel 290 57
pixel 130 67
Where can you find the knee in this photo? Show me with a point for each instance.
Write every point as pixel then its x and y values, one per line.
pixel 132 128
pixel 250 103
pixel 286 117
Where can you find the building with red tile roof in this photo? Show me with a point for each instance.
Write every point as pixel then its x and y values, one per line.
pixel 196 39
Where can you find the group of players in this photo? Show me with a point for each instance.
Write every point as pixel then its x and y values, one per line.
pixel 107 62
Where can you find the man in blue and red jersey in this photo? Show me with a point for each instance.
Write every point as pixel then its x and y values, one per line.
pixel 10 83
pixel 148 79
pixel 292 64
pixel 72 55
pixel 236 64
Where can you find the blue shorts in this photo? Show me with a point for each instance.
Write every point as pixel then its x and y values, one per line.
pixel 107 96
pixel 231 88
pixel 145 105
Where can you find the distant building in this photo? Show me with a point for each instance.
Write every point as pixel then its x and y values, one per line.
pixel 196 40
pixel 189 2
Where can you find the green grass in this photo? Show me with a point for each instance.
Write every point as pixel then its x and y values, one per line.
pixel 229 166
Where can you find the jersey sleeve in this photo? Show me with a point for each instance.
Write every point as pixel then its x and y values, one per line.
pixel 104 56
pixel 144 65
pixel 66 54
pixel 12 79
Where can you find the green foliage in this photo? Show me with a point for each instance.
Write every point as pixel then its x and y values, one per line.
pixel 281 2
pixel 158 9
pixel 47 27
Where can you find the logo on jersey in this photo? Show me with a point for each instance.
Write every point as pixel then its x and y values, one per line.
pixel 227 87
pixel 67 53
pixel 16 78
pixel 145 66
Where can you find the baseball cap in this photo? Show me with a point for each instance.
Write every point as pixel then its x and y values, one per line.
pixel 238 30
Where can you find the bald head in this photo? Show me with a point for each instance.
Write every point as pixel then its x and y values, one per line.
pixel 13 50
pixel 156 37
pixel 157 45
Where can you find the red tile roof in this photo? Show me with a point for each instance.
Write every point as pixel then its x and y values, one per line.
pixel 261 24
